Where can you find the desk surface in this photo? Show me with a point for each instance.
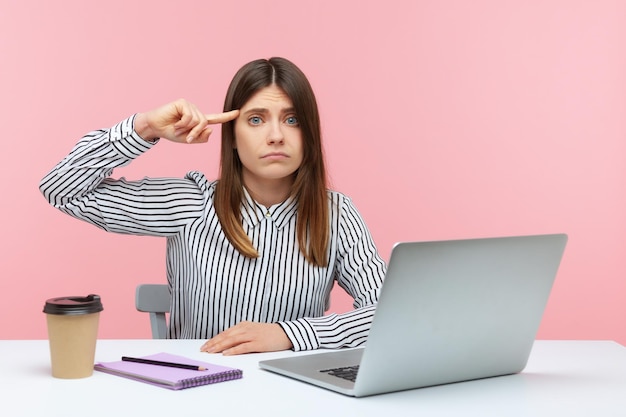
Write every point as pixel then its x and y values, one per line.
pixel 563 378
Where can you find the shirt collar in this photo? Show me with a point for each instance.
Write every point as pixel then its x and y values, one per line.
pixel 254 213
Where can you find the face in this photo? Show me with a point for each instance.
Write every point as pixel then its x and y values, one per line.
pixel 268 140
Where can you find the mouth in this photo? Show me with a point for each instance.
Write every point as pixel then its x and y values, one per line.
pixel 275 155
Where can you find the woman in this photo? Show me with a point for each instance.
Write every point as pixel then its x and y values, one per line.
pixel 251 257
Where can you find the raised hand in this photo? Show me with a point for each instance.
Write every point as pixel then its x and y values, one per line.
pixel 179 121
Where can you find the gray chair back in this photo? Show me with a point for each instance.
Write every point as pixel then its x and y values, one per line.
pixel 155 300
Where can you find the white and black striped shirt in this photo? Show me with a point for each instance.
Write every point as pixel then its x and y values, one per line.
pixel 213 286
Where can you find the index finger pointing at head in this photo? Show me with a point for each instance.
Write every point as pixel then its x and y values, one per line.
pixel 222 117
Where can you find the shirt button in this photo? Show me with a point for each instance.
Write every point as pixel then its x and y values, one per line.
pixel 268 215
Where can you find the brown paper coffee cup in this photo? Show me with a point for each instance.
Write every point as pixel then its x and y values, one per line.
pixel 72 334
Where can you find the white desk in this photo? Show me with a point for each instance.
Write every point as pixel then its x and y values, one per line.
pixel 563 378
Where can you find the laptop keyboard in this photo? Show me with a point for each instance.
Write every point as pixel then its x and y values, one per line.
pixel 347 372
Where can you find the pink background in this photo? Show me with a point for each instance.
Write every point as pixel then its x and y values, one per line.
pixel 441 119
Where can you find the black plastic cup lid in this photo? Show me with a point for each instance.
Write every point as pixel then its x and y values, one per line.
pixel 73 305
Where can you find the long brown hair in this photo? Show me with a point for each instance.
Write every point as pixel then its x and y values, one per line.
pixel 309 187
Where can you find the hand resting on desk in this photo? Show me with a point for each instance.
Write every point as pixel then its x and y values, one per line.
pixel 248 337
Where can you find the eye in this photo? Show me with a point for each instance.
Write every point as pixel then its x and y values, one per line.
pixel 255 120
pixel 292 121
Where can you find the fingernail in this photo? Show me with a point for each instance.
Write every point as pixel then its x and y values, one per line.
pixel 190 139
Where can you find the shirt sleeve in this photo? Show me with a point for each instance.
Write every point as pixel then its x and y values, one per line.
pixel 360 272
pixel 80 186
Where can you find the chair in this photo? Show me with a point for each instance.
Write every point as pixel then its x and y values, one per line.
pixel 154 299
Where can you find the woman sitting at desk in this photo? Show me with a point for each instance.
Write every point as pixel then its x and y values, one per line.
pixel 252 256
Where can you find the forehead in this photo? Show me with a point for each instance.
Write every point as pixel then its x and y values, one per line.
pixel 270 97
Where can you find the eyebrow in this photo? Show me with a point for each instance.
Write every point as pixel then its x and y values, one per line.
pixel 263 110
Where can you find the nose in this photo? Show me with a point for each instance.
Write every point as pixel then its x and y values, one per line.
pixel 275 134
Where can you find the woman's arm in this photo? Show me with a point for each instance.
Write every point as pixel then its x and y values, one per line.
pixel 360 272
pixel 80 185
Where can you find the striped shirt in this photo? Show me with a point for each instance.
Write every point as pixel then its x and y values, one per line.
pixel 213 286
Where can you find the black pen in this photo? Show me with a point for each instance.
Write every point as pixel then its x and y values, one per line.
pixel 161 363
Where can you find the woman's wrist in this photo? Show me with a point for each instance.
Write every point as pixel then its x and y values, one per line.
pixel 142 128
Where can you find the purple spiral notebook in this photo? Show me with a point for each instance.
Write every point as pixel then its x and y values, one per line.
pixel 167 377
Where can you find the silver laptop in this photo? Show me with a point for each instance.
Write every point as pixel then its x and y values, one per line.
pixel 449 311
